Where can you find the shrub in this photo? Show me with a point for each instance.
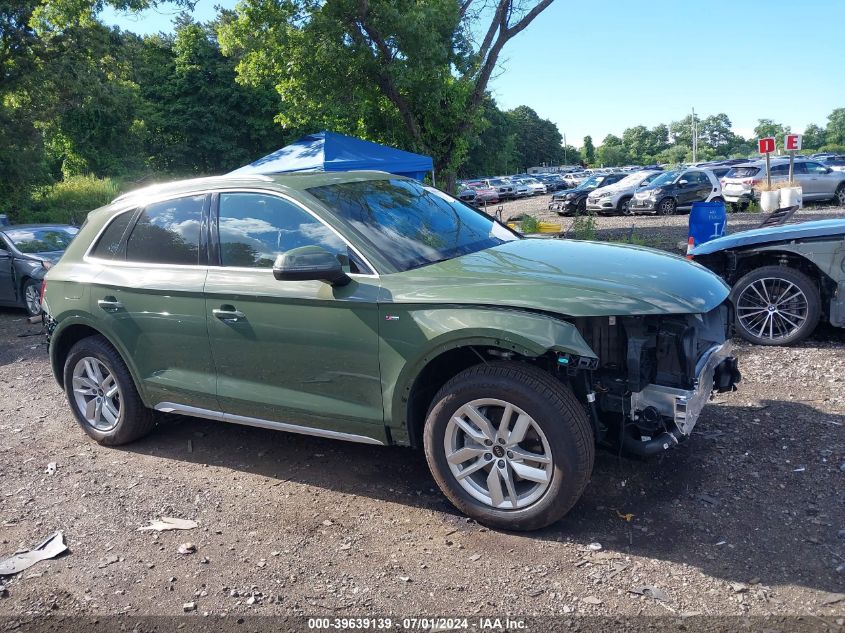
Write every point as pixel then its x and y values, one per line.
pixel 584 227
pixel 69 201
pixel 529 224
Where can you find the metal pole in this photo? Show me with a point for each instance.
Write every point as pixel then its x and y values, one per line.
pixel 768 172
pixel 433 179
pixel 564 148
pixel 791 164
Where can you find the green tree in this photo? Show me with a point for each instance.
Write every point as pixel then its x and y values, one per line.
pixel 412 73
pixel 612 152
pixel 537 140
pixel 814 137
pixel 589 150
pixel 767 127
pixel 716 134
pixel 836 127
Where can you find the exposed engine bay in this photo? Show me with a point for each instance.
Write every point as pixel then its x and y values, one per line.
pixel 654 375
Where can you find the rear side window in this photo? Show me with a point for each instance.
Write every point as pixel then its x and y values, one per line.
pixel 168 232
pixel 743 172
pixel 780 170
pixel 109 243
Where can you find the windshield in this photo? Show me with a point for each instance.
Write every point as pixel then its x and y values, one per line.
pixel 666 178
pixel 634 180
pixel 499 183
pixel 592 181
pixel 410 225
pixel 48 239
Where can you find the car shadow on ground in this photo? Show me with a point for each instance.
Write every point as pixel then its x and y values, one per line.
pixel 749 496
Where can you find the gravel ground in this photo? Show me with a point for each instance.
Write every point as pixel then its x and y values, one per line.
pixel 665 232
pixel 748 518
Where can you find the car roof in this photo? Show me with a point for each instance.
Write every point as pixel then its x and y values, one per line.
pixel 295 180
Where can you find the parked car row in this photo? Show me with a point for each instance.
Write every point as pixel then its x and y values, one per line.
pixel 817 181
pixel 491 190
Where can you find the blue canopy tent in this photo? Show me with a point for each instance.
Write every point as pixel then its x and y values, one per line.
pixel 329 151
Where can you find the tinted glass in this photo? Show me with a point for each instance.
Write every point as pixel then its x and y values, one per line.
pixel 780 170
pixel 168 232
pixel 742 172
pixel 664 179
pixel 109 243
pixel 408 224
pixel 48 239
pixel 815 168
pixel 255 228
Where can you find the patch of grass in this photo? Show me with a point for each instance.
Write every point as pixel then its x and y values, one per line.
pixel 529 224
pixel 69 201
pixel 584 227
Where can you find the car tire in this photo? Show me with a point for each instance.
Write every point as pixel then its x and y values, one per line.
pixel 554 426
pixel 94 369
pixel 31 295
pixel 582 207
pixel 623 207
pixel 738 207
pixel 667 206
pixel 839 196
pixel 776 283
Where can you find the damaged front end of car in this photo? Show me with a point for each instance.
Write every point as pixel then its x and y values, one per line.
pixel 654 375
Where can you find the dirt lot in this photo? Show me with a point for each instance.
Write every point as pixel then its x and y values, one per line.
pixel 748 518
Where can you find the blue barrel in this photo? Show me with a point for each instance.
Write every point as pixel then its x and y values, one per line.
pixel 707 221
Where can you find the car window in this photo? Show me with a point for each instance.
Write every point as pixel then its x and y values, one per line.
pixel 255 228
pixel 110 240
pixel 742 172
pixel 409 225
pixel 48 239
pixel 815 168
pixel 168 232
pixel 780 170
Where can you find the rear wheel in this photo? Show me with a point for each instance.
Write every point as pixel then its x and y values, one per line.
pixel 776 305
pixel 840 195
pixel 509 445
pixel 624 206
pixel 667 206
pixel 738 207
pixel 102 394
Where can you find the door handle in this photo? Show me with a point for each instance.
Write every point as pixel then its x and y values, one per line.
pixel 228 314
pixel 110 304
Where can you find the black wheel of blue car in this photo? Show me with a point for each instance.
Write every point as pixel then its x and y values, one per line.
pixel 32 296
pixel 102 394
pixel 667 206
pixel 776 305
pixel 509 445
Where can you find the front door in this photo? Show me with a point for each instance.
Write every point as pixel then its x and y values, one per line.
pixel 7 285
pixel 300 353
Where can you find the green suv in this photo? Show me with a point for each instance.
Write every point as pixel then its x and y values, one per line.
pixel 366 307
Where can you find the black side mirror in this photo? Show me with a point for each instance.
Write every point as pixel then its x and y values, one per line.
pixel 682 183
pixel 310 263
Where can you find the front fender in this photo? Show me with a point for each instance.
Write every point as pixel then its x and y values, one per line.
pixel 411 337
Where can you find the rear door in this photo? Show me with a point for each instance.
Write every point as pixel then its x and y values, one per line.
pixel 149 298
pixel 300 353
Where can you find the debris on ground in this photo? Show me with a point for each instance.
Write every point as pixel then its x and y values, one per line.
pixel 594 547
pixel 169 523
pixel 51 468
pixel 591 600
pixel 187 548
pixel 50 548
pixel 650 591
pixel 189 606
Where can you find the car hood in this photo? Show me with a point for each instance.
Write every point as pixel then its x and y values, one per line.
pixel 769 234
pixel 568 277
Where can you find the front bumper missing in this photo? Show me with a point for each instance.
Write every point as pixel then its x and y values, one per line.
pixel 715 370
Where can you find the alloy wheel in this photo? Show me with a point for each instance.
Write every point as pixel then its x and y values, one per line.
pixel 32 297
pixel 96 394
pixel 498 454
pixel 840 196
pixel 772 308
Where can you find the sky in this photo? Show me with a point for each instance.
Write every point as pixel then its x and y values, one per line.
pixel 599 66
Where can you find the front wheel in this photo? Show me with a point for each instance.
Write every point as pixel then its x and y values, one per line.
pixel 32 297
pixel 624 206
pixel 776 305
pixel 509 445
pixel 667 206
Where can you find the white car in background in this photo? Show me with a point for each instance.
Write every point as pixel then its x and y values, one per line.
pixel 615 198
pixel 520 189
pixel 535 187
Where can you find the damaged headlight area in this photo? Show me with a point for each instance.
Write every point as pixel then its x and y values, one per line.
pixel 655 374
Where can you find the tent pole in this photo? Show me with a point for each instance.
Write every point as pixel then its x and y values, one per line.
pixel 433 179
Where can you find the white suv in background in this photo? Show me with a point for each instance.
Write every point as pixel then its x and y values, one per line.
pixel 817 181
pixel 615 198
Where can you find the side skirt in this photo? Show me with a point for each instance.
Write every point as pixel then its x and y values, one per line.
pixel 181 409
